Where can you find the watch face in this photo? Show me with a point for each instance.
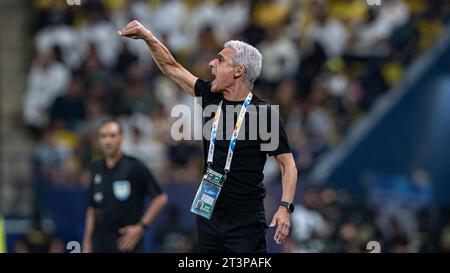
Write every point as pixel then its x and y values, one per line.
pixel 291 207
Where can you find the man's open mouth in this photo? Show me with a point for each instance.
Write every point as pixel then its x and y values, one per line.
pixel 213 81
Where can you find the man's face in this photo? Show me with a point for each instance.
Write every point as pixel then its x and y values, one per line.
pixel 223 69
pixel 110 138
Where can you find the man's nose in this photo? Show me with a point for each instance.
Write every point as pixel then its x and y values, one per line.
pixel 212 63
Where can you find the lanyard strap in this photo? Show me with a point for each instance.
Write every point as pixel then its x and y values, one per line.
pixel 234 137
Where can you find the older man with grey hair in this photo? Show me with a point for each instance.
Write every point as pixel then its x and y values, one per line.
pixel 229 201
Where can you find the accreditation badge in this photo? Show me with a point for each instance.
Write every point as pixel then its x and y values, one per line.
pixel 207 193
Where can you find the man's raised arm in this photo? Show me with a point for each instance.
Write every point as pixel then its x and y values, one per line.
pixel 161 55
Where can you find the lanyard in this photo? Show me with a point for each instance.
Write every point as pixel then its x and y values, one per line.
pixel 234 137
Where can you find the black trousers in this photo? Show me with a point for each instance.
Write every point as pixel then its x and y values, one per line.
pixel 106 242
pixel 232 232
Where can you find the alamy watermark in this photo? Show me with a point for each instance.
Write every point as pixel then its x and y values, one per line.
pixel 373 2
pixel 73 247
pixel 373 247
pixel 262 123
pixel 73 2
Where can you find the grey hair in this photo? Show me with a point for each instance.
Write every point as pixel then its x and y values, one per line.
pixel 249 57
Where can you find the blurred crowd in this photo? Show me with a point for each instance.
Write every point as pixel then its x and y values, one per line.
pixel 325 64
pixel 331 220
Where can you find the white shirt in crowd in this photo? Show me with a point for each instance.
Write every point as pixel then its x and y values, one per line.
pixel 44 85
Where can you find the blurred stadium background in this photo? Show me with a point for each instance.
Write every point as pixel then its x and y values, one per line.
pixel 364 92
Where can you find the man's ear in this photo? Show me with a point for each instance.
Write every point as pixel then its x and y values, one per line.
pixel 239 71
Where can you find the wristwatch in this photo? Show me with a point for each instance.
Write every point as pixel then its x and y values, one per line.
pixel 144 226
pixel 288 205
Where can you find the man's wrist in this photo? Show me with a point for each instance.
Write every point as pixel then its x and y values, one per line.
pixel 287 205
pixel 142 225
pixel 149 38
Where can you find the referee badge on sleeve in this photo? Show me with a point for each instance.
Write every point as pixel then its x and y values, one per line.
pixel 98 197
pixel 97 179
pixel 121 189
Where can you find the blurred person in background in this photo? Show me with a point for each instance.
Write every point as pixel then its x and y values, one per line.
pixel 69 108
pixel 119 185
pixel 47 79
pixel 39 239
pixel 308 225
pixel 173 236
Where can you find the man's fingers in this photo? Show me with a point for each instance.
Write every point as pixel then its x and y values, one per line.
pixel 279 229
pixel 274 221
pixel 121 31
pixel 122 242
pixel 130 245
pixel 277 235
pixel 119 242
pixel 122 238
pixel 132 24
pixel 124 30
pixel 127 31
pixel 286 225
pixel 123 230
pixel 281 232
pixel 127 244
pixel 286 230
pixel 132 27
pixel 132 34
pixel 282 228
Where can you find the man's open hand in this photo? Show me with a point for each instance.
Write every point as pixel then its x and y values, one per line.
pixel 282 221
pixel 131 235
pixel 135 30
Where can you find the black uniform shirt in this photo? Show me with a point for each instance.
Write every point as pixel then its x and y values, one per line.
pixel 243 189
pixel 118 194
